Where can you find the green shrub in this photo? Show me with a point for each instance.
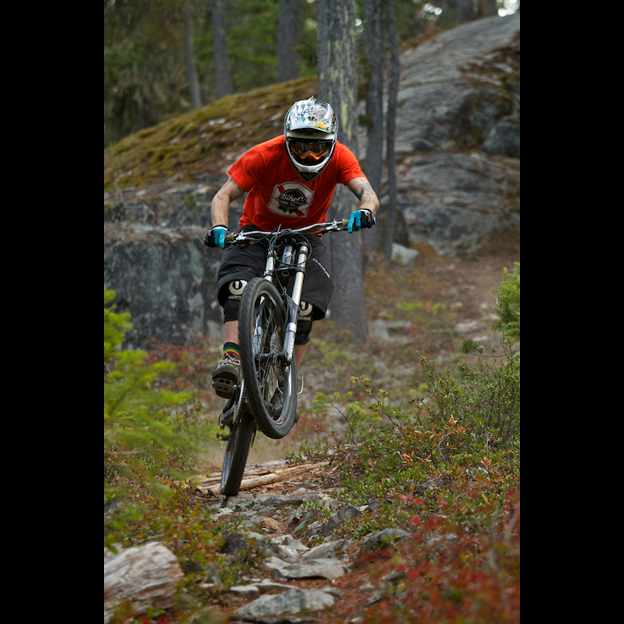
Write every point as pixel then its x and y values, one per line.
pixel 508 305
pixel 456 445
pixel 151 434
pixel 484 397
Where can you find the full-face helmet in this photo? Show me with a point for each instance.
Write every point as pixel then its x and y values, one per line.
pixel 310 128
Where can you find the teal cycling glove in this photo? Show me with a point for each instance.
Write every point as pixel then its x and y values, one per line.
pixel 359 219
pixel 216 236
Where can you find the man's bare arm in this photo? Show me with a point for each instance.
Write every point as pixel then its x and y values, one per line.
pixel 362 189
pixel 220 207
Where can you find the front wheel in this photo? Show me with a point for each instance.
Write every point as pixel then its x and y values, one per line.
pixel 269 382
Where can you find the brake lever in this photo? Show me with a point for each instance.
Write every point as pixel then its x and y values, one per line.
pixel 336 226
pixel 239 240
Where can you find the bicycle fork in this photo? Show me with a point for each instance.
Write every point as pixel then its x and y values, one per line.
pixel 294 300
pixel 293 304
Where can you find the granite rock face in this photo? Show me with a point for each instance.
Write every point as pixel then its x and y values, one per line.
pixel 457 86
pixel 458 135
pixel 166 278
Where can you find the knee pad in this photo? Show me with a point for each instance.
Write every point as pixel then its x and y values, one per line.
pixel 232 303
pixel 304 323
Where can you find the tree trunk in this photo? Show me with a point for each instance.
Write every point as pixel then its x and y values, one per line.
pixel 393 90
pixel 222 66
pixel 190 55
pixel 338 85
pixel 488 8
pixel 373 22
pixel 289 30
pixel 466 10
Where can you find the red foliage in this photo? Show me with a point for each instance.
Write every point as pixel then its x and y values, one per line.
pixel 455 576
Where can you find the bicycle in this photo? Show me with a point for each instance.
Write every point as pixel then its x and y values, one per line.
pixel 267 326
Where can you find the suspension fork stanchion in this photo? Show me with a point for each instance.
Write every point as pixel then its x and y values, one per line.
pixel 268 275
pixel 291 325
pixel 269 267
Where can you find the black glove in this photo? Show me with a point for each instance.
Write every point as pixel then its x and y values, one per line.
pixel 216 236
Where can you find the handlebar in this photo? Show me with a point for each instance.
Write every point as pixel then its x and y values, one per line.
pixel 330 226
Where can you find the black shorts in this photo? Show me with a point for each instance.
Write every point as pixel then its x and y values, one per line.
pixel 250 262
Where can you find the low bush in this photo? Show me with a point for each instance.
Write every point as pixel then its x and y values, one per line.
pixel 445 467
pixel 449 574
pixel 151 434
pixel 508 305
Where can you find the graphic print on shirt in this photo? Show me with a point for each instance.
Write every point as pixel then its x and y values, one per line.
pixel 291 199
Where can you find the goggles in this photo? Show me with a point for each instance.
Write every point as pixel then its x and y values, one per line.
pixel 315 149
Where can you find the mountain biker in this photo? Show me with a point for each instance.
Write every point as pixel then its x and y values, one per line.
pixel 290 181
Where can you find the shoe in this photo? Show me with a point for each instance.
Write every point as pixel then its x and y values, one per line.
pixel 278 403
pixel 226 377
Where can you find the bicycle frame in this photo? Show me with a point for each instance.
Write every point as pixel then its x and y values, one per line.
pixel 291 249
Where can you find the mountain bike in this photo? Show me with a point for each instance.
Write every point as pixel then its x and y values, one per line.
pixel 267 325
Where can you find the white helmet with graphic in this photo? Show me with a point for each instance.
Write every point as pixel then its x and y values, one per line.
pixel 310 128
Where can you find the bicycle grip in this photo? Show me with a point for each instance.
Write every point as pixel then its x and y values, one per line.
pixel 345 222
pixel 229 238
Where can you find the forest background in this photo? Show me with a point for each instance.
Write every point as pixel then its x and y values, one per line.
pixel 164 57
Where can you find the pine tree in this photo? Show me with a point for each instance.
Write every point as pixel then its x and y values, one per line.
pixel 221 58
pixel 142 438
pixel 393 91
pixel 190 54
pixel 289 31
pixel 373 31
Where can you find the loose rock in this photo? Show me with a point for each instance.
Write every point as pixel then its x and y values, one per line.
pixel 234 542
pixel 291 601
pixel 335 520
pixel 146 576
pixel 316 569
pixel 382 539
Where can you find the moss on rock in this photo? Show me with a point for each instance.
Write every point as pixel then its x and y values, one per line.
pixel 204 139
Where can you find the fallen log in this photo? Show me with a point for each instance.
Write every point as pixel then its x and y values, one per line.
pixel 207 486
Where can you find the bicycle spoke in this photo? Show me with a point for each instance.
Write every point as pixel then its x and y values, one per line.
pixel 261 337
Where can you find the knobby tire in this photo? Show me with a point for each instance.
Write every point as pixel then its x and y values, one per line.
pixel 236 451
pixel 262 318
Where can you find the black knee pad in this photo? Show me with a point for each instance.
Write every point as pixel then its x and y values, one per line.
pixel 232 303
pixel 304 323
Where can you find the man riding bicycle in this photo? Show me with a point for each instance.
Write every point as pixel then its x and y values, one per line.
pixel 290 181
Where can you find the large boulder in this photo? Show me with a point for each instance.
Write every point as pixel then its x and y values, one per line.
pixel 166 278
pixel 456 201
pixel 144 576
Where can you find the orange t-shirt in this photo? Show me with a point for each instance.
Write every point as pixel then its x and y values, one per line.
pixel 276 193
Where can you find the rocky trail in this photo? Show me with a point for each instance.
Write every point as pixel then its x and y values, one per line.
pixel 307 574
pixel 303 574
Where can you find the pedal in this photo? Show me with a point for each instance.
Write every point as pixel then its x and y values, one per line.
pixel 224 387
